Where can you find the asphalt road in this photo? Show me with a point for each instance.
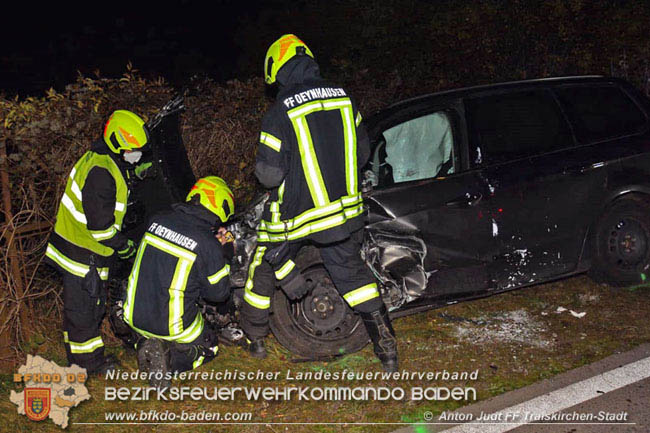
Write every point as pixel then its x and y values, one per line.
pixel 611 395
pixel 633 400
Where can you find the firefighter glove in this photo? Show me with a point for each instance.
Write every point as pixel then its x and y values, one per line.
pixel 141 170
pixel 294 286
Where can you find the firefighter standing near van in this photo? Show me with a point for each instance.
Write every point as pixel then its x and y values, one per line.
pixel 312 146
pixel 87 236
pixel 179 264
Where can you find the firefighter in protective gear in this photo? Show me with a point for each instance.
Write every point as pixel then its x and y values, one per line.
pixel 178 264
pixel 87 236
pixel 311 148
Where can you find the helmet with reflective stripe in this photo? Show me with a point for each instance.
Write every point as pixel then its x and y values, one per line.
pixel 280 52
pixel 215 196
pixel 125 131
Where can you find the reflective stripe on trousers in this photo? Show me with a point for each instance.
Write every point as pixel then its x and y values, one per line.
pixel 256 300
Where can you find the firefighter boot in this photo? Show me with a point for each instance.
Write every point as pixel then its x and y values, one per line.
pixel 382 336
pixel 154 358
pixel 257 348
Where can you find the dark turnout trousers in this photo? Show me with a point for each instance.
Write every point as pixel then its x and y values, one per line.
pixel 272 264
pixel 82 319
pixel 188 356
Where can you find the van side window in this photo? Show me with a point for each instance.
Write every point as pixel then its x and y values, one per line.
pixel 599 112
pixel 510 126
pixel 419 148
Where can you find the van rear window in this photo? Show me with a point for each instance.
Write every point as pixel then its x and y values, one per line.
pixel 505 127
pixel 600 112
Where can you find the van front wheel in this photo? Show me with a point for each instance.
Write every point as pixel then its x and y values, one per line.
pixel 321 324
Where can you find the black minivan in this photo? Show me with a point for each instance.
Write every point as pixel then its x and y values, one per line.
pixel 481 190
pixel 513 184
pixel 476 191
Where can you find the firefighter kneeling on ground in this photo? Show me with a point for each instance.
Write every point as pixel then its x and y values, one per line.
pixel 312 147
pixel 87 235
pixel 179 263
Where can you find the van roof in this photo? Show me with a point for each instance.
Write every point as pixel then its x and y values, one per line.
pixel 508 84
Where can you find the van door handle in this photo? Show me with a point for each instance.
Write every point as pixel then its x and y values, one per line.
pixel 468 200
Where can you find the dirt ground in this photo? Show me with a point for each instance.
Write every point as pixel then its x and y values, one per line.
pixel 512 339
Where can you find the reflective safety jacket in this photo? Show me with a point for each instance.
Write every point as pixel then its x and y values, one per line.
pixel 89 219
pixel 179 262
pixel 312 146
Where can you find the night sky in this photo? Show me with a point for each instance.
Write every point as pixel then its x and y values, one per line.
pixel 44 46
pixel 415 44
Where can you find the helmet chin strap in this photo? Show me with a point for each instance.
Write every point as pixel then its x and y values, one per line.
pixel 132 157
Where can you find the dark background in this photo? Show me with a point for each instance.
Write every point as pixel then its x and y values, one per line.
pixel 417 44
pixel 48 45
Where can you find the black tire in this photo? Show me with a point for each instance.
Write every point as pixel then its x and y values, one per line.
pixel 332 330
pixel 621 243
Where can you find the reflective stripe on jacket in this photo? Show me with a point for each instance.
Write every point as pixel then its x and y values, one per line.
pixel 312 146
pixel 72 222
pixel 179 262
